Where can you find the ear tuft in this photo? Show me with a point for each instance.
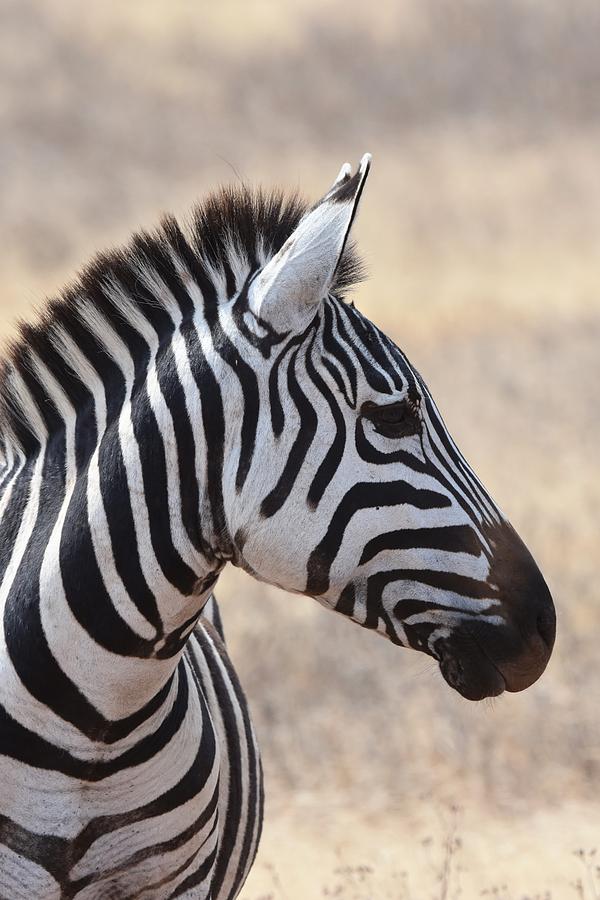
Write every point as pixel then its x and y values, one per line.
pixel 344 174
pixel 349 187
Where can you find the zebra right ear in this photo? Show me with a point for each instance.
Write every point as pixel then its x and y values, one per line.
pixel 287 291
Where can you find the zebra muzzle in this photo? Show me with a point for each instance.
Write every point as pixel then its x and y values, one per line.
pixel 483 659
pixel 480 659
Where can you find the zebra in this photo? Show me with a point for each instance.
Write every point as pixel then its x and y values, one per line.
pixel 208 394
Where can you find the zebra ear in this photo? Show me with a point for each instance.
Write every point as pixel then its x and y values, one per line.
pixel 288 289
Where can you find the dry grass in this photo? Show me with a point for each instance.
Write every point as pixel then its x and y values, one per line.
pixel 481 227
pixel 446 853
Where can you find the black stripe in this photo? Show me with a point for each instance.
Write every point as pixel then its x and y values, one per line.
pixel 117 502
pixel 330 464
pixel 189 494
pixel 450 582
pixel 345 604
pixel 277 414
pixel 213 423
pixel 453 538
pixel 249 385
pixel 156 497
pixel 302 442
pixel 337 349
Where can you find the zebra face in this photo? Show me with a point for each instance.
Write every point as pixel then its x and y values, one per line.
pixel 358 495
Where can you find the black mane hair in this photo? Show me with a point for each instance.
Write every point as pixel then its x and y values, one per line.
pixel 252 223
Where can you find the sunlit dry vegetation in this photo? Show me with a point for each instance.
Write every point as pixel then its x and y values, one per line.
pixel 481 230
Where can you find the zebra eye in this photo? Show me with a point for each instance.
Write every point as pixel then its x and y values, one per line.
pixel 394 420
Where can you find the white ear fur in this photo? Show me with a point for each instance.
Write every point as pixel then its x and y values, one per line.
pixel 292 284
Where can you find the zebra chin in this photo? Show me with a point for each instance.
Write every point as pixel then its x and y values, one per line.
pixel 472 674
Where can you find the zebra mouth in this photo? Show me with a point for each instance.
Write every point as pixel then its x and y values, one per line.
pixel 484 661
pixel 473 676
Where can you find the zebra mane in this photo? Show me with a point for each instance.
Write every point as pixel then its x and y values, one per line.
pixel 228 235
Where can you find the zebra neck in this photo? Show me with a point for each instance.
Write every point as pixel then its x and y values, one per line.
pixel 103 572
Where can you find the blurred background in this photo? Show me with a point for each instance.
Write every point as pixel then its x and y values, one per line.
pixel 480 227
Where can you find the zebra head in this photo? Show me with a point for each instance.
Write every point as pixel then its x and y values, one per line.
pixel 353 490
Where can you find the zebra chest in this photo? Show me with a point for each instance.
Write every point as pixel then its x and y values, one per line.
pixel 145 821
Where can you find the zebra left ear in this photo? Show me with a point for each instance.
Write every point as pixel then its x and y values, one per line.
pixel 289 288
